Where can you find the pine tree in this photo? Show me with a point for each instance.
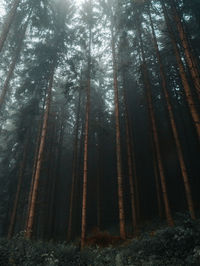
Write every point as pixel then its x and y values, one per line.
pixel 8 22
pixel 13 64
pixel 19 185
pixel 186 85
pixel 118 138
pixel 31 215
pixel 191 62
pixel 74 170
pixel 173 124
pixel 86 134
pixel 155 133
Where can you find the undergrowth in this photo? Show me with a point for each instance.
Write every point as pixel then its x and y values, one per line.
pixel 178 245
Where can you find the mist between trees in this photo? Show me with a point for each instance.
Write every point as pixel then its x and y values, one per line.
pixel 99 115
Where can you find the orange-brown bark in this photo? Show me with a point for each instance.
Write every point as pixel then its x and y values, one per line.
pixel 155 135
pixel 85 157
pixel 173 125
pixel 31 215
pixel 187 50
pixel 118 144
pixel 187 89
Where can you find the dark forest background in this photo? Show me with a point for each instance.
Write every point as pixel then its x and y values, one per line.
pixel 99 115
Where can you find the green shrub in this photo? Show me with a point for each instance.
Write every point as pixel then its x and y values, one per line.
pixel 179 245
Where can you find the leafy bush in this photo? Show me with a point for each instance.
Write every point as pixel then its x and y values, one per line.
pixel 179 245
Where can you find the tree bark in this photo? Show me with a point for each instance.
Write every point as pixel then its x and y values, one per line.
pixel 155 135
pixel 187 50
pixel 34 163
pixel 58 156
pixel 118 144
pixel 74 171
pixel 12 66
pixel 8 23
pixel 78 186
pixel 98 193
pixel 173 124
pixel 50 180
pixel 187 89
pixel 129 157
pixel 85 157
pixel 135 174
pixel 32 207
pixel 17 196
pixel 156 174
pixel 99 173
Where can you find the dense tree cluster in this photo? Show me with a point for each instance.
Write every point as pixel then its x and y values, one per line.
pixel 99 115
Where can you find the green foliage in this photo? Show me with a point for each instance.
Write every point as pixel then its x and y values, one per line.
pixel 23 252
pixel 179 245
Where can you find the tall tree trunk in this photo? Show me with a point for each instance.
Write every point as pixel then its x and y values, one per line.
pixel 129 157
pixel 50 180
pixel 85 157
pixel 74 171
pixel 78 186
pixel 58 156
pixel 17 195
pixel 156 174
pixel 32 207
pixel 99 175
pixel 118 144
pixel 34 164
pixel 12 66
pixel 8 23
pixel 187 50
pixel 33 172
pixel 188 92
pixel 173 125
pixel 135 174
pixel 98 192
pixel 53 187
pixel 155 134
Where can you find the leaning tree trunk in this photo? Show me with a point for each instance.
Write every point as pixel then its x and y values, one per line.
pixel 19 185
pixel 31 215
pixel 187 89
pixel 187 50
pixel 155 135
pixel 33 171
pixel 118 144
pixel 34 164
pixel 173 125
pixel 74 171
pixel 8 23
pixel 12 66
pixel 85 157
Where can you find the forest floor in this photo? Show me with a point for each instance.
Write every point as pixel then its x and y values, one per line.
pixel 155 245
